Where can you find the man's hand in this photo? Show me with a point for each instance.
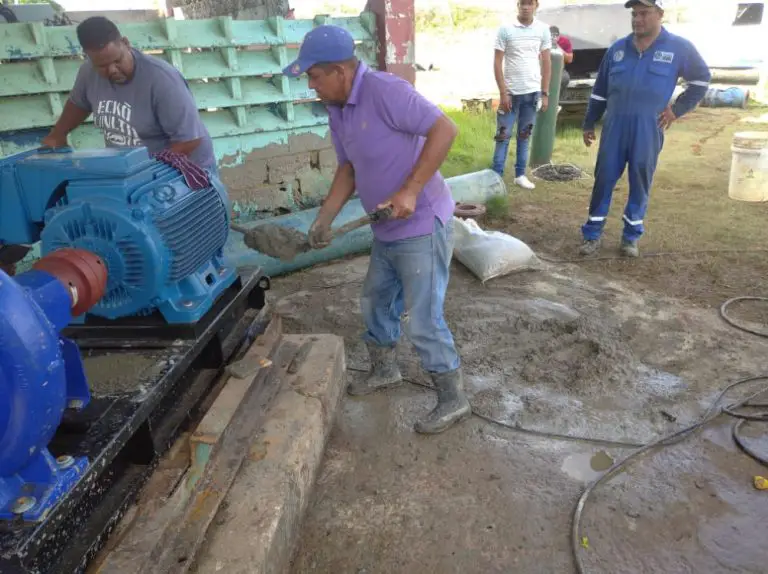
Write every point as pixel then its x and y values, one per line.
pixel 319 235
pixel 666 118
pixel 54 141
pixel 544 103
pixel 403 203
pixel 505 102
pixel 589 137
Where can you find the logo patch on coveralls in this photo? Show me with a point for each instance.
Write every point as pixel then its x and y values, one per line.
pixel 618 55
pixel 665 57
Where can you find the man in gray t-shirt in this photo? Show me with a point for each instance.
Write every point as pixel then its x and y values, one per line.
pixel 136 99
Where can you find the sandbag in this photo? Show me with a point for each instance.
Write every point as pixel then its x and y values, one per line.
pixel 490 254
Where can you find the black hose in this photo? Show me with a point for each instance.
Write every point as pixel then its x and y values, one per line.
pixel 712 413
pixel 734 323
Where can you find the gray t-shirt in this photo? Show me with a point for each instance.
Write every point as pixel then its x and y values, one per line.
pixel 154 109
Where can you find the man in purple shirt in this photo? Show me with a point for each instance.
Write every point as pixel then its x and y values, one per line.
pixel 390 142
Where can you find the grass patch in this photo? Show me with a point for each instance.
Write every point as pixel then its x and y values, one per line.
pixel 452 17
pixel 689 207
pixel 497 207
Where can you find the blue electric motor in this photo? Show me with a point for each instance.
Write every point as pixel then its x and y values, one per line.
pixel 41 374
pixel 162 242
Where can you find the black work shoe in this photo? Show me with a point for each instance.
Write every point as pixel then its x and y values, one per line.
pixel 589 247
pixel 629 248
pixel 452 404
pixel 384 373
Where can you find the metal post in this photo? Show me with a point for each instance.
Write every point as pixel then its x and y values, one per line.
pixel 395 21
pixel 543 139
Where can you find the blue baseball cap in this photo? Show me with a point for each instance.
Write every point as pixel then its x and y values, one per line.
pixel 324 44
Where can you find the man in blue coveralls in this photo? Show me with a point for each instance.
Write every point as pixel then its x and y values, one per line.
pixel 634 86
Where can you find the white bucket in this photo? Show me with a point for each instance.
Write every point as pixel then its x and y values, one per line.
pixel 749 167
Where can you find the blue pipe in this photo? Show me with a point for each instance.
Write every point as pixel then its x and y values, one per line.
pixel 470 188
pixel 733 97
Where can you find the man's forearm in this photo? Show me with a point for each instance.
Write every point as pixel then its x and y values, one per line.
pixel 498 73
pixel 546 71
pixel 342 188
pixel 71 117
pixel 185 148
pixel 439 141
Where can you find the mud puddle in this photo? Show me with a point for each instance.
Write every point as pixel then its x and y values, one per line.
pixel 587 467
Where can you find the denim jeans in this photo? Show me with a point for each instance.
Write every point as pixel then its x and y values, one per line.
pixel 411 276
pixel 524 111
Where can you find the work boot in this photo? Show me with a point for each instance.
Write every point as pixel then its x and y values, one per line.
pixel 629 248
pixel 452 404
pixel 384 373
pixel 589 247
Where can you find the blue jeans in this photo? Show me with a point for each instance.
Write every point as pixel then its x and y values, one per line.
pixel 411 275
pixel 524 111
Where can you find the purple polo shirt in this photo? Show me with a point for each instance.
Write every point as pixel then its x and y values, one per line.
pixel 381 131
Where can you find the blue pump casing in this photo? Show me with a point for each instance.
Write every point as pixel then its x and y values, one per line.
pixel 41 374
pixel 162 242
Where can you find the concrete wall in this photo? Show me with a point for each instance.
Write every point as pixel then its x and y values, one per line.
pixel 117 16
pixel 238 9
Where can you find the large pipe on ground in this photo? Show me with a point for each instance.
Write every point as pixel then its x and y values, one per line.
pixel 474 187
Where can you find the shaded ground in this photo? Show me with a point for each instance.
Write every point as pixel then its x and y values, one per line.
pixel 557 350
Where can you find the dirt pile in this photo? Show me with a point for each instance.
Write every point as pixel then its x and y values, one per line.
pixel 582 355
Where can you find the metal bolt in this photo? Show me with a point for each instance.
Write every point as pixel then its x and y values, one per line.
pixel 75 296
pixel 65 461
pixel 23 504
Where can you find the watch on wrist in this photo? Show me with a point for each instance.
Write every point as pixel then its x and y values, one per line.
pixel 545 94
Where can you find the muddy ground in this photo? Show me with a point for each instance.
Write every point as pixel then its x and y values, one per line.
pixel 557 350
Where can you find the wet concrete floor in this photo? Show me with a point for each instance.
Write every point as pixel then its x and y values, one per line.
pixel 484 499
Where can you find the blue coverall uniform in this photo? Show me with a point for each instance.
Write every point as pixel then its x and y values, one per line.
pixel 632 89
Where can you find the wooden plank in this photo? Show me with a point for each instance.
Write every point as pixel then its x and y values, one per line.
pixel 218 417
pixel 135 533
pixel 163 500
pixel 176 551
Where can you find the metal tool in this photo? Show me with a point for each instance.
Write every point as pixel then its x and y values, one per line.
pixel 286 242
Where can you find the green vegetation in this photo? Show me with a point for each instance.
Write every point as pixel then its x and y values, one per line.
pixel 689 211
pixel 453 18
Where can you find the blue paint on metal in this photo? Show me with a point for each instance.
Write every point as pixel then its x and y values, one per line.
pixel 733 97
pixel 37 371
pixel 473 187
pixel 162 242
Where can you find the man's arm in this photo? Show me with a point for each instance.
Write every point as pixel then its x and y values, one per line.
pixel 406 110
pixel 567 48
pixel 598 100
pixel 500 47
pixel 545 58
pixel 546 70
pixel 342 188
pixel 75 112
pixel 498 70
pixel 439 141
pixel 343 184
pixel 175 109
pixel 697 75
